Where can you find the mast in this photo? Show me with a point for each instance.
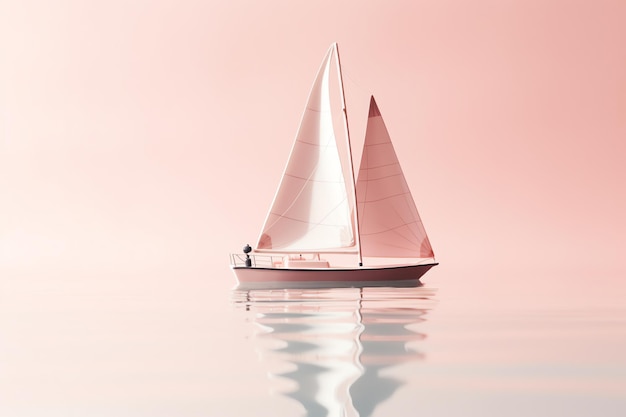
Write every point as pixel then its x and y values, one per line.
pixel 345 118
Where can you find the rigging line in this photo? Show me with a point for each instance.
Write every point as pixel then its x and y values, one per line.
pixel 344 105
pixel 357 84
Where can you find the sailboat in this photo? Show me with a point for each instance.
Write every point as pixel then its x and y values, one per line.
pixel 325 228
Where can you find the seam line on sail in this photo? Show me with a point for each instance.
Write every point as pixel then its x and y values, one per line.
pixel 382 178
pixel 377 144
pixel 307 179
pixel 306 222
pixel 392 229
pixel 384 198
pixel 378 166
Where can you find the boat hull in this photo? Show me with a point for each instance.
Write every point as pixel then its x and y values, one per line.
pixel 330 277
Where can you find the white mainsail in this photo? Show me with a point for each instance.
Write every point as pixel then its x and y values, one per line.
pixel 312 209
pixel 389 224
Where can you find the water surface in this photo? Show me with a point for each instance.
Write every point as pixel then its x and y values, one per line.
pixel 160 343
pixel 373 351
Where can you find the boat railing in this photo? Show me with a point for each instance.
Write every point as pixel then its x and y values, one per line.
pixel 256 261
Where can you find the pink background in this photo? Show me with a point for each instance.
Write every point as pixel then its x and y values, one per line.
pixel 142 142
pixel 138 133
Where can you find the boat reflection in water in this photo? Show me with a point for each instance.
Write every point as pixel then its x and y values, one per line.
pixel 331 344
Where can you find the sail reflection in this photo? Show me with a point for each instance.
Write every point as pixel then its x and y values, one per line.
pixel 331 345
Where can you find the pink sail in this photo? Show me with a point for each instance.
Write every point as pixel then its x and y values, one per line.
pixel 312 209
pixel 389 224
